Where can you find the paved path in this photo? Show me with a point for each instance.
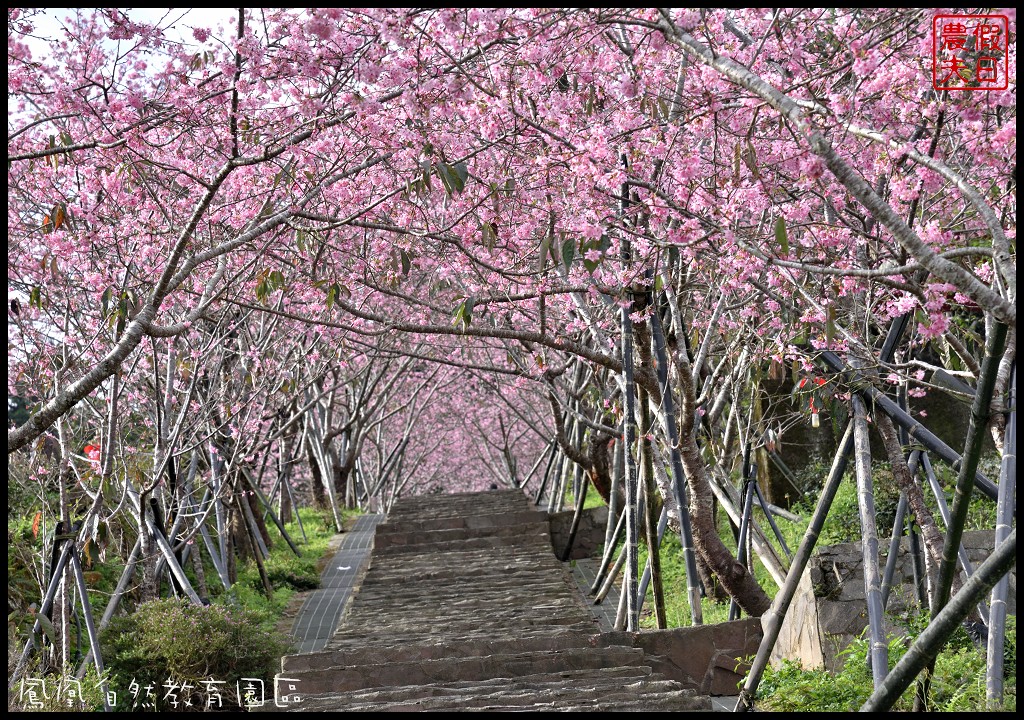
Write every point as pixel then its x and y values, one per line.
pixel 317 619
pixel 584 571
pixel 465 607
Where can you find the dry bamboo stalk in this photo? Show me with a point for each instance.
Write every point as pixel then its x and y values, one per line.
pixel 879 650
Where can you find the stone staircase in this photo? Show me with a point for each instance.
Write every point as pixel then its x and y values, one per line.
pixel 465 607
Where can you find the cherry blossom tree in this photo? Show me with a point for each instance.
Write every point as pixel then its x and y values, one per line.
pixel 404 216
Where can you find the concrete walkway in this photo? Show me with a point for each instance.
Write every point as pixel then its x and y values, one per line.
pixel 317 619
pixel 584 571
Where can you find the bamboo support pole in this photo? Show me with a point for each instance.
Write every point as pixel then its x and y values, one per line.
pixel 928 644
pixel 90 628
pixel 914 429
pixel 741 539
pixel 609 552
pixel 771 621
pixel 668 418
pixel 879 648
pixel 1004 519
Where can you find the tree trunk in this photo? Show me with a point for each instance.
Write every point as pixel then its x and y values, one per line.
pixel 257 513
pixel 734 577
pixel 915 498
pixel 239 534
pixel 319 496
pixel 599 471
pixel 149 555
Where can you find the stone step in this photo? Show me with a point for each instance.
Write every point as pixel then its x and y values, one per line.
pixel 385 639
pixel 554 699
pixel 448 620
pixel 435 626
pixel 493 520
pixel 461 589
pixel 365 655
pixel 430 576
pixel 623 688
pixel 403 536
pixel 586 679
pixel 469 596
pixel 512 540
pixel 425 672
pixel 405 566
pixel 463 606
pixel 460 504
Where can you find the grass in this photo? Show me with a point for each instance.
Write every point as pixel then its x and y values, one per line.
pixel 287 573
pixel 593 500
pixel 958 684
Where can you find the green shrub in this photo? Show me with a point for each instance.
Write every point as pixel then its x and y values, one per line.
pixel 56 691
pixel 958 684
pixel 172 641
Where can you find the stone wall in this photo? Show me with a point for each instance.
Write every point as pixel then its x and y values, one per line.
pixel 589 537
pixel 712 657
pixel 833 606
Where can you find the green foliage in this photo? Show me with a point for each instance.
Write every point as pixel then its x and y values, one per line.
pixel 303 578
pixel 172 640
pixel 958 684
pixel 594 500
pixel 673 579
pixel 287 573
pixel 237 636
pixel 843 522
pixel 57 691
pixel 959 680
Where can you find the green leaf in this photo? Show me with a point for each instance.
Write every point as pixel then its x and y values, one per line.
pixel 90 553
pixel 463 314
pixel 332 295
pixel 425 167
pixel 461 171
pixel 750 159
pixel 659 283
pixel 489 235
pixel 446 177
pixel 781 237
pixel 568 253
pixel 452 177
pixel 954 362
pixel 47 627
